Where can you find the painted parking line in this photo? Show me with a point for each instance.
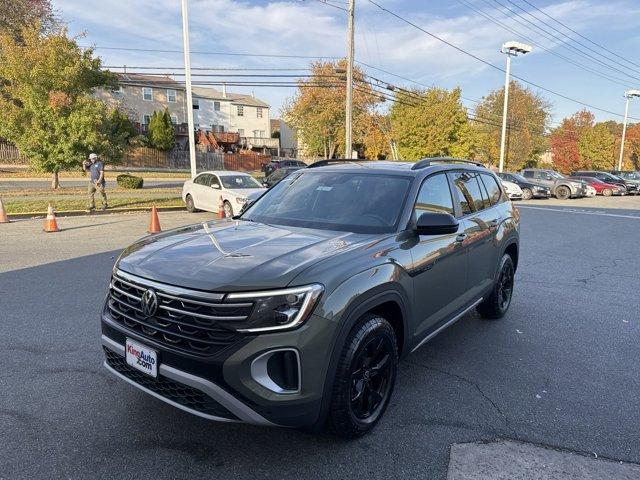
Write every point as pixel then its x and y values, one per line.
pixel 581 212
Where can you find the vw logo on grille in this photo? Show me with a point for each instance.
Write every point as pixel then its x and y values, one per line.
pixel 149 302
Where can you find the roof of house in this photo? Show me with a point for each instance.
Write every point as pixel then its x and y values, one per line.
pixel 149 80
pixel 236 98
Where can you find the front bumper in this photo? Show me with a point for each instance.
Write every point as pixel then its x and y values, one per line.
pixel 541 193
pixel 228 387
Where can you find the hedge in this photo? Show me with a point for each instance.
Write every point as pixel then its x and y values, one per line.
pixel 129 181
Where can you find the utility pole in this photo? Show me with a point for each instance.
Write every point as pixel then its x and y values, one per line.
pixel 349 102
pixel 187 79
pixel 629 94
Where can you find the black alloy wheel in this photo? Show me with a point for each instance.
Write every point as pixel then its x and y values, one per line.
pixel 505 286
pixel 527 194
pixel 497 303
pixel 365 377
pixel 371 377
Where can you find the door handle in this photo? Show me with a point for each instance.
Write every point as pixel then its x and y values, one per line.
pixel 461 238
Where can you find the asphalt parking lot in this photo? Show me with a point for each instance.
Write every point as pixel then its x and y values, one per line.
pixel 560 370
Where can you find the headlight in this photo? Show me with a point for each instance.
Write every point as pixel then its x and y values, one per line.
pixel 240 200
pixel 577 185
pixel 279 309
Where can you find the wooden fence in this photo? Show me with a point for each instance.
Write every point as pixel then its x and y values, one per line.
pixel 144 157
pixel 10 155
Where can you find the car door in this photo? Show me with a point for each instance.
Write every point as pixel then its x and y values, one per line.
pixel 198 191
pixel 480 225
pixel 438 264
pixel 214 191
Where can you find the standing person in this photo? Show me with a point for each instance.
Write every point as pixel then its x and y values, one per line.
pixel 96 181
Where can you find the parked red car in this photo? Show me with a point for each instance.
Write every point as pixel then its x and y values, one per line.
pixel 602 188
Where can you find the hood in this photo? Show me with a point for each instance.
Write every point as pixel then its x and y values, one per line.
pixel 233 255
pixel 511 186
pixel 244 192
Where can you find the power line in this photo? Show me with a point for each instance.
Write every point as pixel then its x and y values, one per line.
pixel 489 64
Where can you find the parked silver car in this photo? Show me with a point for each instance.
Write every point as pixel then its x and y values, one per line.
pixel 561 187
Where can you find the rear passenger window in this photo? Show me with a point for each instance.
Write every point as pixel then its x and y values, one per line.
pixel 469 192
pixel 493 189
pixel 528 174
pixel 434 196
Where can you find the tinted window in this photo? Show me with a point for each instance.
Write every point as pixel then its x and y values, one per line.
pixel 493 189
pixel 202 179
pixel 353 202
pixel 528 174
pixel 469 192
pixel 486 203
pixel 213 180
pixel 434 196
pixel 239 181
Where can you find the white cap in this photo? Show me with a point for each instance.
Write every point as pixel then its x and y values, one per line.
pixel 92 156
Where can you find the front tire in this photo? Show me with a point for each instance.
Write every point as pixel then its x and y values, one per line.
pixel 365 377
pixel 228 209
pixel 527 194
pixel 498 301
pixel 607 192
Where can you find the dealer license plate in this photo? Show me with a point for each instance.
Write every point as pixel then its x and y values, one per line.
pixel 141 358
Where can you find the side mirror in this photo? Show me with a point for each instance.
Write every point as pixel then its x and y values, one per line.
pixel 435 223
pixel 265 184
pixel 216 186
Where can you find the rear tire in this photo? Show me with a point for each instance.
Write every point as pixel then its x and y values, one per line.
pixel 527 194
pixel 562 192
pixel 191 208
pixel 498 301
pixel 365 377
pixel 607 192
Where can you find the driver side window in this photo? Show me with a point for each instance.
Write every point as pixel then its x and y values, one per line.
pixel 434 196
pixel 214 181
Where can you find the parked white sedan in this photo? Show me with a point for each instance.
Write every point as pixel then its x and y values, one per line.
pixel 512 189
pixel 205 191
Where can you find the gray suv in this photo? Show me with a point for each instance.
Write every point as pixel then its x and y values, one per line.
pixel 561 187
pixel 296 312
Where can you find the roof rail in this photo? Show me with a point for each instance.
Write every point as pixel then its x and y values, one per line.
pixel 324 163
pixel 426 162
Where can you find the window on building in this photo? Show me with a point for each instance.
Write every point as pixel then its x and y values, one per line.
pixel 196 103
pixel 256 133
pixel 147 94
pixel 171 96
pixel 241 132
pixel 174 119
pixel 241 110
pixel 146 119
pixel 117 91
pixel 259 112
pixel 434 196
pixel 261 134
pixel 216 106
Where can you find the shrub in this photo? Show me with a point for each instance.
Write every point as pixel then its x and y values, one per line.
pixel 129 181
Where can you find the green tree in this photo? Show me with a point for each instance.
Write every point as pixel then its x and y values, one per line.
pixel 121 133
pixel 597 147
pixel 45 99
pixel 317 112
pixel 161 131
pixel 527 120
pixel 430 122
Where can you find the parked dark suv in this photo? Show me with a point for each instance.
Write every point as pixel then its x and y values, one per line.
pixel 273 165
pixel 296 312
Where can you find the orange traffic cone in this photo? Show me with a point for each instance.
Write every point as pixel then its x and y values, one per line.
pixel 221 212
pixel 154 224
pixel 50 223
pixel 3 214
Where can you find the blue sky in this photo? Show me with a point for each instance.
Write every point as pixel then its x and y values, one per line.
pixel 309 27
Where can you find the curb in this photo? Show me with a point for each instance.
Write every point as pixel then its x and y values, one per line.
pixel 80 213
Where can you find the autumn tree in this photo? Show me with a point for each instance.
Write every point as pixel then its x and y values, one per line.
pixel 631 148
pixel 431 122
pixel 17 14
pixel 527 120
pixel 45 99
pixel 317 111
pixel 597 147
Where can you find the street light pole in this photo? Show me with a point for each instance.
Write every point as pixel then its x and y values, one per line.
pixel 187 80
pixel 629 94
pixel 349 100
pixel 510 49
pixel 505 108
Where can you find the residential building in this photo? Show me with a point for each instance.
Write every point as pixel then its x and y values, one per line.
pixel 213 110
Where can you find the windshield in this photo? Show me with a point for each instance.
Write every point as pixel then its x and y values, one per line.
pixel 239 181
pixel 519 177
pixel 630 175
pixel 353 202
pixel 556 175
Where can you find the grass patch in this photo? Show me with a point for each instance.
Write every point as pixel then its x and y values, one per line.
pixel 40 205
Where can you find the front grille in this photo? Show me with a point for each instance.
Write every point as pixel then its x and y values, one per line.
pixel 194 322
pixel 177 392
